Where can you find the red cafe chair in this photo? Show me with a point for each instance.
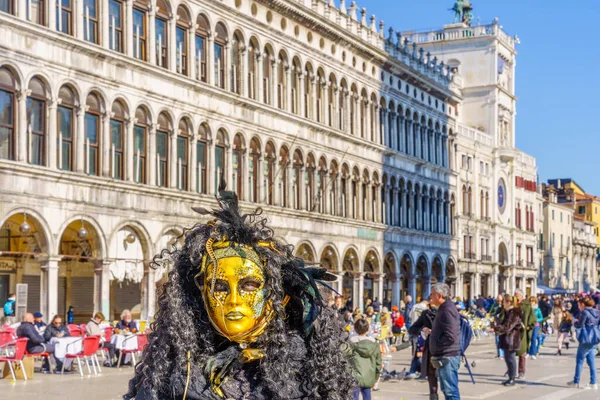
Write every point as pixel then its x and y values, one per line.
pixel 20 348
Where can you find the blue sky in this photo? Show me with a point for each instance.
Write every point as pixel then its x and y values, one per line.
pixel 557 78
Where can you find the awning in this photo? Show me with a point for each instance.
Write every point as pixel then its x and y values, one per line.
pixel 542 289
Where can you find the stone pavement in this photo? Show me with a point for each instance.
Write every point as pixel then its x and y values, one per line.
pixel 546 380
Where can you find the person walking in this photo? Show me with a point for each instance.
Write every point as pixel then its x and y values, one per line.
pixel 563 331
pixel 408 306
pixel 495 311
pixel 444 341
pixel 529 322
pixel 588 321
pixel 425 320
pixel 9 309
pixel 558 311
pixel 536 336
pixel 509 334
pixel 365 359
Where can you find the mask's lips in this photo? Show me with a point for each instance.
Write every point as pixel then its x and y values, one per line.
pixel 234 316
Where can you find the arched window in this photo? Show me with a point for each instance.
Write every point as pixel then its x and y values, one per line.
pixel 267 78
pixel 7 114
pixel 253 54
pixel 364 101
pixel 202 30
pixel 165 127
pixel 117 136
pixel 333 189
pixel 320 93
pixel 183 157
pixel 90 21
pixel 354 195
pixel 254 171
pixel 92 135
pixel 66 129
pixel 238 164
pixel 284 160
pixel 36 11
pixel 36 123
pixel 7 6
pixel 364 195
pixel 64 16
pixel 140 143
pixel 487 205
pixel 482 204
pixel 236 62
pixel 220 161
pixel 219 67
pixel 343 93
pixel 353 103
pixel 374 198
pixel 201 154
pixel 331 109
pixel 161 30
pixel 115 25
pixel 372 113
pixel 182 28
pixel 140 13
pixel 269 171
pixel 281 81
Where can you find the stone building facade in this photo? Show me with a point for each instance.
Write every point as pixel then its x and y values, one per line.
pixel 118 116
pixel 498 204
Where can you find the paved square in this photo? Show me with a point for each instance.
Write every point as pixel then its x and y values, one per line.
pixel 546 380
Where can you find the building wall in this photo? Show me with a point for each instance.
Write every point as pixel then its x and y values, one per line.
pixel 367 120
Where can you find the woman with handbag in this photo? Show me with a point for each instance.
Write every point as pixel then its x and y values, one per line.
pixel 588 335
pixel 508 330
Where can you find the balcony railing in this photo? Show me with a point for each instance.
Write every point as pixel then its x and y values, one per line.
pixel 530 264
pixel 469 256
pixel 486 258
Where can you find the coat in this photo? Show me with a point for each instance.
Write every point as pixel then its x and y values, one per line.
pixel 365 358
pixel 509 330
pixel 52 331
pixel 27 330
pixel 529 321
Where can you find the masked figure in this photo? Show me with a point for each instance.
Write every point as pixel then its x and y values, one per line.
pixel 241 318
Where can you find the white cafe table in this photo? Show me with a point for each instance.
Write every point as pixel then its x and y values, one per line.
pixel 125 342
pixel 66 345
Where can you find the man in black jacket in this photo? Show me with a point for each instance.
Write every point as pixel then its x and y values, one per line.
pixel 36 343
pixel 444 341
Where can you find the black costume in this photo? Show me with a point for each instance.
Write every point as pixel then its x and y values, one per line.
pixel 295 353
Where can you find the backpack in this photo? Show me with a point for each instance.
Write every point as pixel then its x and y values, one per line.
pixel 466 334
pixel 8 308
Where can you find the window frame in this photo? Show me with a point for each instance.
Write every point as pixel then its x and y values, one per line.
pixel 118 35
pixel 164 48
pixel 142 155
pixel 162 160
pixel 141 45
pixel 62 26
pixel 95 21
pixel 43 133
pixel 116 153
pixel 96 146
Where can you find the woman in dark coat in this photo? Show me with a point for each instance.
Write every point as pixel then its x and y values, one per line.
pixel 509 328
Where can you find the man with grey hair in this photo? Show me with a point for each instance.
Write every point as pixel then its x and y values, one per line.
pixel 444 341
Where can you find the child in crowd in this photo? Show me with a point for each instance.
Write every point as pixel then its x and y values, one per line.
pixel 365 358
pixel 564 330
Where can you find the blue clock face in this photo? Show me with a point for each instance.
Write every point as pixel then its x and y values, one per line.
pixel 501 195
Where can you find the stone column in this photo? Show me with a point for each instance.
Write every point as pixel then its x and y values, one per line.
pixel 128 31
pixel 210 63
pixel 78 19
pixel 191 59
pixel 314 86
pixel 412 287
pixel 52 15
pixel 172 45
pixel 288 88
pixel 513 279
pixel 426 287
pixel 172 167
pixel 22 151
pixel 151 35
pixel 227 67
pixel 52 152
pixel 150 292
pixel 401 140
pixel 49 286
pixel 151 171
pixel 102 287
pixel 79 152
pixel 360 280
pixel 273 82
pixel 396 287
pixel 301 99
pixel 106 161
pixel 445 151
pixel 242 78
pixel 104 23
pixel 129 153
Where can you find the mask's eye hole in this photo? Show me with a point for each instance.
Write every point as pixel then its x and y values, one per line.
pixel 221 286
pixel 249 285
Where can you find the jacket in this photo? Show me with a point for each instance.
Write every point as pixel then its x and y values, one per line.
pixel 407 313
pixel 565 327
pixel 529 322
pixel 27 330
pixel 365 358
pixel 539 317
pixel 495 309
pixel 444 340
pixel 92 328
pixel 122 325
pixel 588 317
pixel 53 331
pixel 509 330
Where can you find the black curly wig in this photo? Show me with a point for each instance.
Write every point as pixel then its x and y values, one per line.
pixel 182 322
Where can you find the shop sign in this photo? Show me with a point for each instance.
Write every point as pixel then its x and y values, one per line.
pixel 8 265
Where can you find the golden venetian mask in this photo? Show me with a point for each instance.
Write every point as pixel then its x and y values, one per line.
pixel 232 281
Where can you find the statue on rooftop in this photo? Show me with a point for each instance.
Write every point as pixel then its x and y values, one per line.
pixel 463 12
